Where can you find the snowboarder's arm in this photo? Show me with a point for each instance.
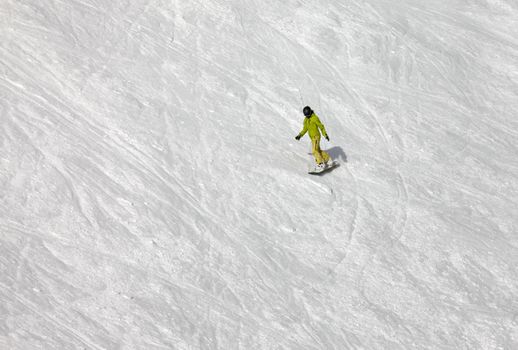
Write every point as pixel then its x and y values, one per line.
pixel 321 127
pixel 304 130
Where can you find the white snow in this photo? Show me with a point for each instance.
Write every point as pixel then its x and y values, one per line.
pixel 152 195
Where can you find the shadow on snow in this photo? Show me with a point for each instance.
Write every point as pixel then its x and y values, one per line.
pixel 336 153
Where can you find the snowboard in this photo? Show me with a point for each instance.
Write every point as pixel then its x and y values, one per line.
pixel 314 171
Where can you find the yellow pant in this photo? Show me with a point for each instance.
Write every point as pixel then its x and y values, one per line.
pixel 320 156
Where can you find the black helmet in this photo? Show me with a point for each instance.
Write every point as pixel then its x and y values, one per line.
pixel 307 111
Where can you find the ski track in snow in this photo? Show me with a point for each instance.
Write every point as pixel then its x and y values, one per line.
pixel 152 195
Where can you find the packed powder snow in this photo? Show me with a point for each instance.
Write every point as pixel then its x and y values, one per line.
pixel 152 194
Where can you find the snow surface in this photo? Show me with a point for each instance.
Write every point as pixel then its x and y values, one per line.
pixel 152 195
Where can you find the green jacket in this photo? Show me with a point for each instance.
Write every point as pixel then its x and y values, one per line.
pixel 312 125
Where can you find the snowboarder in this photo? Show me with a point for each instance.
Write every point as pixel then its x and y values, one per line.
pixel 313 126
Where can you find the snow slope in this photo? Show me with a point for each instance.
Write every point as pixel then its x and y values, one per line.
pixel 152 195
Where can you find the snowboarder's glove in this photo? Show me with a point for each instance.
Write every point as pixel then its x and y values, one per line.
pixel 327 137
pixel 297 137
